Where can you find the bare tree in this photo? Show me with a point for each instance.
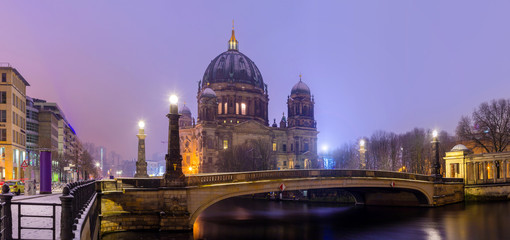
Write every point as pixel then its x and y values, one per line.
pixel 263 153
pixel 489 127
pixel 346 157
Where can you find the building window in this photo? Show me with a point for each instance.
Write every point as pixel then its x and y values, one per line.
pixel 3 137
pixel 306 147
pixel 4 77
pixel 291 147
pixel 284 163
pixel 225 109
pixel 243 108
pixel 219 108
pixel 284 147
pixel 237 108
pixel 3 97
pixel 3 115
pixel 274 147
pixel 225 144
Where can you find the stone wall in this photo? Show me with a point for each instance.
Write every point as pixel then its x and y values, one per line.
pixel 144 209
pixel 487 192
pixel 448 193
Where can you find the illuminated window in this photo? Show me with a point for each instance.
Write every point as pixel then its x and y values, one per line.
pixel 237 108
pixel 243 108
pixel 225 108
pixel 219 108
pixel 274 147
pixel 225 144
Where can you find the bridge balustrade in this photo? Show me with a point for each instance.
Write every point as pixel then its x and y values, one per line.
pixel 218 178
pixel 202 179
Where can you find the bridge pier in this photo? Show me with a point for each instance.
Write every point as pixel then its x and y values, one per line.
pixel 145 209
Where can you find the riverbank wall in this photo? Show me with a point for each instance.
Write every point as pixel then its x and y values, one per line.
pixel 487 192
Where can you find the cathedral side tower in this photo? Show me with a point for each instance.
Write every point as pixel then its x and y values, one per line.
pixel 300 106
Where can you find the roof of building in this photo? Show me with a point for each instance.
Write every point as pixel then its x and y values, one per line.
pixel 207 92
pixel 17 74
pixel 185 110
pixel 234 67
pixel 300 87
pixel 459 147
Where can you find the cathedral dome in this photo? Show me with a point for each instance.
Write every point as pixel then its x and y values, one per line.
pixel 207 92
pixel 233 67
pixel 185 110
pixel 300 87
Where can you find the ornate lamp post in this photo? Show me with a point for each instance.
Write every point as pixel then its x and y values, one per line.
pixel 436 166
pixel 173 173
pixel 141 164
pixel 362 151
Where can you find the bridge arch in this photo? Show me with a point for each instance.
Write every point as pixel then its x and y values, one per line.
pixel 363 190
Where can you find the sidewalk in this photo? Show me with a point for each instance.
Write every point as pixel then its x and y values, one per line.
pixel 36 210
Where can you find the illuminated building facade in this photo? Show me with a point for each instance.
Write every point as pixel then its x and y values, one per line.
pixel 233 110
pixel 12 122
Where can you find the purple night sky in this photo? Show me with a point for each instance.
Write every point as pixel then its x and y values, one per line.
pixel 372 65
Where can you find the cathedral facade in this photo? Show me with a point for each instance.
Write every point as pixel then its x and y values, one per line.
pixel 233 111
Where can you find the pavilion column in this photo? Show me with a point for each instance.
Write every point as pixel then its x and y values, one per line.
pixel 504 165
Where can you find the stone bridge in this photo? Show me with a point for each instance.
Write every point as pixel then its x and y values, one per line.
pixel 145 203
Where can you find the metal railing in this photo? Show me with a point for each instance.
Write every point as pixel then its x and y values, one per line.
pixel 75 198
pixel 52 216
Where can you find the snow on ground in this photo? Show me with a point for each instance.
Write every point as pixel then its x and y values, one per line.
pixel 36 222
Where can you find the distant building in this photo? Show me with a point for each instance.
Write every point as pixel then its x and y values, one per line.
pixel 57 135
pixel 12 122
pixel 233 110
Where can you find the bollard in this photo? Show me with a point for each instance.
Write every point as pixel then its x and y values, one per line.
pixel 66 216
pixel 6 198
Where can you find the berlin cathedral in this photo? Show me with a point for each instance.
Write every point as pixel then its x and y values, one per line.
pixel 233 110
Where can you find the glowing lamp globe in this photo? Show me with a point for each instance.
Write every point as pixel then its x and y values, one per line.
pixel 362 142
pixel 141 124
pixel 173 99
pixel 434 133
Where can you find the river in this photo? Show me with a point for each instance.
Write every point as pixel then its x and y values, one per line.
pixel 242 218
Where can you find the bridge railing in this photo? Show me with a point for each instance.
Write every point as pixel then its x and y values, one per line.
pixel 203 179
pixel 215 178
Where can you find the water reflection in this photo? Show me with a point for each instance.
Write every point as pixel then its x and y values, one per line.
pixel 258 219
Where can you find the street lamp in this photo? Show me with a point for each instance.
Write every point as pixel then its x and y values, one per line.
pixel 436 166
pixel 325 148
pixel 362 150
pixel 173 173
pixel 141 164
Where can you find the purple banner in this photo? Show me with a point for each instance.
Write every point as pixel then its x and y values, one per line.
pixel 45 172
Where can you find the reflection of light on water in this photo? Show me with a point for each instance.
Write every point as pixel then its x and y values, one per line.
pixel 241 214
pixel 432 233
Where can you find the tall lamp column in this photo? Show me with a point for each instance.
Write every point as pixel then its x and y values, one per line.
pixel 362 151
pixel 173 173
pixel 436 165
pixel 141 164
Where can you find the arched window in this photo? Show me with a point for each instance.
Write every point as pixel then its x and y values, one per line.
pixel 243 108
